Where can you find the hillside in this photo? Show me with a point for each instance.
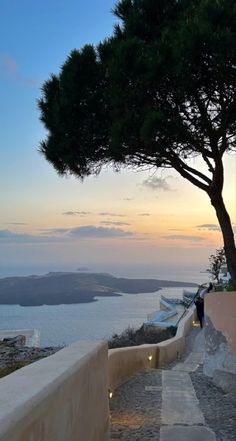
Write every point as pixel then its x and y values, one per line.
pixel 67 288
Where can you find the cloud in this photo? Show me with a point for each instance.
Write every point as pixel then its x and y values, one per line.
pixel 76 213
pixel 64 234
pixel 16 223
pixel 210 227
pixel 9 69
pixel 86 213
pixel 7 236
pixel 128 199
pixel 144 214
pixel 114 223
pixel 5 233
pixel 49 231
pixel 111 214
pixel 183 237
pixel 89 231
pixel 155 183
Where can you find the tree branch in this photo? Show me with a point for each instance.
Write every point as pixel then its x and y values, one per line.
pixel 185 171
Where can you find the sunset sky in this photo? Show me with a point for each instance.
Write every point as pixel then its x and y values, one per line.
pixel 126 219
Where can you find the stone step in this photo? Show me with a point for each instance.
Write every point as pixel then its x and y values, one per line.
pixel 179 402
pixel 191 363
pixel 183 433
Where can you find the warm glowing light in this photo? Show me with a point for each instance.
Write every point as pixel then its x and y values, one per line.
pixel 110 393
pixel 150 357
pixel 195 325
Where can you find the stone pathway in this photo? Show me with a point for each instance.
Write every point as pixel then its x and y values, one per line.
pixel 179 401
pixel 174 404
pixel 136 408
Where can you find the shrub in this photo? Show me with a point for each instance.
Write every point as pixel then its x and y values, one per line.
pixel 143 335
pixel 229 286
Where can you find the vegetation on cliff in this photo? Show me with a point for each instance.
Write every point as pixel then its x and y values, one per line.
pixel 140 336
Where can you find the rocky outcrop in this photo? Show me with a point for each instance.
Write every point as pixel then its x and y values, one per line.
pixel 14 354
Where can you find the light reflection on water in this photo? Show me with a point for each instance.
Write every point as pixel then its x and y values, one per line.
pixel 64 324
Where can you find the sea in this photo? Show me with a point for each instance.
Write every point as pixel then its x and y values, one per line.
pixel 61 325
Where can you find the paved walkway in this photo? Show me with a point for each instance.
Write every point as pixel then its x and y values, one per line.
pixel 175 404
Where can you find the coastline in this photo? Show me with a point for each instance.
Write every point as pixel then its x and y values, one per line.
pixel 64 324
pixel 74 288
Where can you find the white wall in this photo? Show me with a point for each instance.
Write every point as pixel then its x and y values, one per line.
pixel 124 362
pixel 61 398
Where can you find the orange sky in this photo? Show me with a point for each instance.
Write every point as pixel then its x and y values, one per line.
pixel 126 217
pixel 123 218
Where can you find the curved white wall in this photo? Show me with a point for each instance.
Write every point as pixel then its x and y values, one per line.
pixel 124 362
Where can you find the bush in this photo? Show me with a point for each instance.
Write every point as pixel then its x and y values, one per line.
pixel 143 335
pixel 229 286
pixel 219 288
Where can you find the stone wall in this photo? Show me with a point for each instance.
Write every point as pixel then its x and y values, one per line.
pixel 220 338
pixel 15 354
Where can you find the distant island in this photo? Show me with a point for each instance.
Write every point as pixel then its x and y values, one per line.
pixel 67 288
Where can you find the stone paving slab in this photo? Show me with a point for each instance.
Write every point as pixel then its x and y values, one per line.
pixel 183 433
pixel 179 402
pixel 191 363
pixel 190 367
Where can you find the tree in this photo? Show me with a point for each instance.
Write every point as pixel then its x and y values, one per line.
pixel 216 261
pixel 157 93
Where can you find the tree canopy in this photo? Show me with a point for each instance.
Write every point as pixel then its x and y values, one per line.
pixel 158 92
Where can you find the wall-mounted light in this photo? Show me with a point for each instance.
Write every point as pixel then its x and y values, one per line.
pixel 150 357
pixel 110 393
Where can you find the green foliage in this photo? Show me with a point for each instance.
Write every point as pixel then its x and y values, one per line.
pixel 219 288
pixel 147 94
pixel 216 261
pixel 160 90
pixel 229 286
pixel 70 109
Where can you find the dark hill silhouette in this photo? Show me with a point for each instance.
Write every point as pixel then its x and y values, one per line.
pixel 57 288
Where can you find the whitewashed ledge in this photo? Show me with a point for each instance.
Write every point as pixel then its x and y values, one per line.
pixel 32 336
pixel 61 398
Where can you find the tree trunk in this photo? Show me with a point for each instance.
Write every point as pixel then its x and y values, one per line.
pixel 227 231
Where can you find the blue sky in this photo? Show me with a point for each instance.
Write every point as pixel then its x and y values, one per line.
pixel 129 217
pixel 36 37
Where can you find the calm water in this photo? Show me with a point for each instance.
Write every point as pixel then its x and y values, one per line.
pixel 64 324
